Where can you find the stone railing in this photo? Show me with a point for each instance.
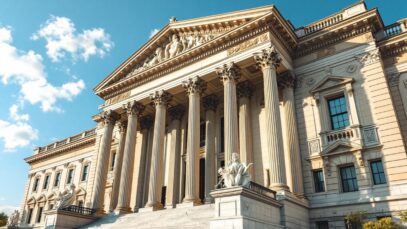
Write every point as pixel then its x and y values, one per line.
pixel 331 20
pixel 79 210
pixel 350 134
pixel 64 142
pixel 260 189
pixel 392 30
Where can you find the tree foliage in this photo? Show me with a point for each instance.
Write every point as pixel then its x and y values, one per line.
pixel 383 223
pixel 355 220
pixel 3 219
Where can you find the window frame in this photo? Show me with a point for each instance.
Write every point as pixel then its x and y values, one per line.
pixel 36 184
pixel 56 184
pixel 355 178
pixel 373 173
pixel 45 184
pixel 69 179
pixel 39 214
pixel 315 181
pixel 87 166
pixel 331 115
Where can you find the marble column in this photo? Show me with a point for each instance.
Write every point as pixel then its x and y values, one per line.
pixel 146 122
pixel 210 104
pixel 229 74
pixel 118 167
pixel 244 92
pixel 194 88
pixel 268 60
pixel 160 100
pixel 133 110
pixel 175 114
pixel 293 145
pixel 109 119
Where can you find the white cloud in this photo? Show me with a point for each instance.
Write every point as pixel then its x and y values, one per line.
pixel 153 32
pixel 16 134
pixel 62 38
pixel 13 110
pixel 8 209
pixel 27 70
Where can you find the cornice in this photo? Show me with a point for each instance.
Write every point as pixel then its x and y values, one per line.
pixel 46 152
pixel 393 46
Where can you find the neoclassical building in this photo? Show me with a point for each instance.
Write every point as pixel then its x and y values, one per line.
pixel 320 111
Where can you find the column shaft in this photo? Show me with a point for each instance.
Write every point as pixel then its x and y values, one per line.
pixel 133 110
pixel 230 74
pixel 147 170
pixel 268 61
pixel 293 142
pixel 118 167
pixel 194 88
pixel 210 103
pixel 160 99
pixel 109 118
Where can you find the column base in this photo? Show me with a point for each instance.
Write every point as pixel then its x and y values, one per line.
pixel 151 207
pixel 209 200
pixel 100 213
pixel 188 204
pixel 279 187
pixel 121 211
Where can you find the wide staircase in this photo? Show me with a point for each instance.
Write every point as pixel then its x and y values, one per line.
pixel 197 217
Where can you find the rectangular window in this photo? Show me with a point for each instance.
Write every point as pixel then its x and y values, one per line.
pixel 57 179
pixel 85 172
pixel 39 215
pixel 46 181
pixel 319 181
pixel 36 181
pixel 322 225
pixel 349 180
pixel 377 172
pixel 222 134
pixel 80 203
pixel 338 112
pixel 113 161
pixel 29 216
pixel 70 176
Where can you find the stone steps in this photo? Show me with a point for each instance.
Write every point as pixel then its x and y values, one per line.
pixel 197 217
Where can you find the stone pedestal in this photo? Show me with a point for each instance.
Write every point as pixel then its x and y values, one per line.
pixel 61 219
pixel 241 208
pixel 295 210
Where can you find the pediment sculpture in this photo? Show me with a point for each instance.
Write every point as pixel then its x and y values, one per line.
pixel 176 45
pixel 13 219
pixel 67 199
pixel 235 174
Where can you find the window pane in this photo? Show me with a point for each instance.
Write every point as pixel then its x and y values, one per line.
pixel 338 112
pixel 349 179
pixel 377 172
pixel 319 181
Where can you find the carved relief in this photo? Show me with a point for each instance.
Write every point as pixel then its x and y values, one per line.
pixel 175 45
pixel 351 68
pixel 118 98
pixel 369 57
pixel 314 146
pixel 248 44
pixel 394 79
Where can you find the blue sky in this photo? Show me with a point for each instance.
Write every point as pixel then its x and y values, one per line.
pixel 53 53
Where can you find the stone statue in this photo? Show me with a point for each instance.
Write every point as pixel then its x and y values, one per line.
pixel 235 174
pixel 67 199
pixel 13 219
pixel 174 47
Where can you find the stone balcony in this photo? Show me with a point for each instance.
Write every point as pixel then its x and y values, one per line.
pixel 355 136
pixel 392 30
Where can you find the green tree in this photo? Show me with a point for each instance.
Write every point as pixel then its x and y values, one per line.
pixel 383 223
pixel 3 219
pixel 403 216
pixel 355 220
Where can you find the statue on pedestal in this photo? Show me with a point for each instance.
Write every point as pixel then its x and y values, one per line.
pixel 235 174
pixel 67 199
pixel 13 219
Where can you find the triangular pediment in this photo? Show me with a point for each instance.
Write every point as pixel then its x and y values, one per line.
pixel 341 147
pixel 181 37
pixel 330 82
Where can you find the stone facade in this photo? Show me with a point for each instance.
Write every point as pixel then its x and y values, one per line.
pixel 318 110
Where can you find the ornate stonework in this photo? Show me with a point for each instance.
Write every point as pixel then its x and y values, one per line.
pixel 368 58
pixel 194 85
pixel 248 44
pixel 245 89
pixel 268 58
pixel 228 72
pixel 146 122
pixel 160 97
pixel 177 112
pixel 109 117
pixel 133 108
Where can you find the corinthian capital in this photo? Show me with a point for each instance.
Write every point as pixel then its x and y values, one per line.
pixel 160 97
pixel 245 89
pixel 286 80
pixel 210 102
pixel 228 72
pixel 122 125
pixel 267 58
pixel 194 85
pixel 176 112
pixel 109 117
pixel 133 108
pixel 146 122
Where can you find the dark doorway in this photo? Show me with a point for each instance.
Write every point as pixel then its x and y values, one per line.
pixel 163 195
pixel 202 179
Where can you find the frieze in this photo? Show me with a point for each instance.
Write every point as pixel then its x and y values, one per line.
pixel 369 57
pixel 118 98
pixel 248 44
